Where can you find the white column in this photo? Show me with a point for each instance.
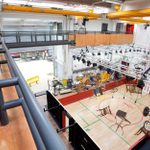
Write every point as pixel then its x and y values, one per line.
pixel 67 62
pixel 62 62
pixel 1 25
pixel 58 62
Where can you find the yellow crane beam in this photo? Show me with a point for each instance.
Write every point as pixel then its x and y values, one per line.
pixel 122 15
pixel 49 11
pixel 135 20
pixel 130 13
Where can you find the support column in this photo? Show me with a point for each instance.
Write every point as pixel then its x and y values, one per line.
pixel 67 62
pixel 1 26
pixel 62 62
pixel 58 62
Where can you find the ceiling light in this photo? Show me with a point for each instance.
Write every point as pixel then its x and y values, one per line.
pixel 146 18
pixel 23 2
pixel 113 1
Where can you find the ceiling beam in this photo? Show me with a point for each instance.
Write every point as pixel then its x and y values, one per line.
pixel 18 8
pixel 130 13
pixel 135 20
pixel 83 2
pixel 123 15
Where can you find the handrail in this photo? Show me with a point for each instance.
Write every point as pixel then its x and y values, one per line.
pixel 42 130
pixel 61 32
pixel 19 39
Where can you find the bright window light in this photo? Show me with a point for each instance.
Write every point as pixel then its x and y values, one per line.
pixel 15 2
pixel 146 18
pixel 99 10
pixel 45 5
pixel 11 19
pixel 112 1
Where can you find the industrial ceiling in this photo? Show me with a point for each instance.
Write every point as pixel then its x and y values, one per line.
pixel 102 3
pixel 93 10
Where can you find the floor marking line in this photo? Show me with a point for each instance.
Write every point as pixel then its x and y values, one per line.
pixel 82 118
pixel 89 124
pixel 106 125
pixel 82 110
pixel 127 104
pixel 92 123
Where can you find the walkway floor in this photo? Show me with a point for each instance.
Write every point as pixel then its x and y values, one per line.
pixel 16 135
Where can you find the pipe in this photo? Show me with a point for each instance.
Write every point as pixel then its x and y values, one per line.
pixel 2 51
pixel 48 11
pixel 90 18
pixel 3 62
pixel 51 108
pixel 12 103
pixel 40 94
pixel 63 129
pixel 8 82
pixel 35 134
pixel 130 13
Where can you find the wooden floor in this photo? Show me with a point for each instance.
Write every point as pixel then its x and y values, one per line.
pixel 103 130
pixel 16 135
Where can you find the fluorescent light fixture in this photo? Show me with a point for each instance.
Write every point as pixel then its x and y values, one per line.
pixel 11 19
pixel 113 1
pixel 46 5
pixel 99 10
pixel 146 18
pixel 23 2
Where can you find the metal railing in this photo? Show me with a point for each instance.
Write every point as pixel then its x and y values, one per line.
pixel 15 39
pixel 35 38
pixel 45 36
pixel 43 133
pixel 26 36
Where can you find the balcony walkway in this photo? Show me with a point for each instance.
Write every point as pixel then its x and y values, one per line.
pixel 16 135
pixel 33 39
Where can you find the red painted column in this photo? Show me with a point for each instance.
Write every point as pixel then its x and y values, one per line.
pixel 63 119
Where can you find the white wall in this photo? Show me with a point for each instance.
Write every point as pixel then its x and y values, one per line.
pixel 29 21
pixel 94 25
pixel 142 36
pixel 136 4
pixel 18 21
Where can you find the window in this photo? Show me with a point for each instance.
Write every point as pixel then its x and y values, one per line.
pixel 119 27
pixel 104 27
pixel 59 26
